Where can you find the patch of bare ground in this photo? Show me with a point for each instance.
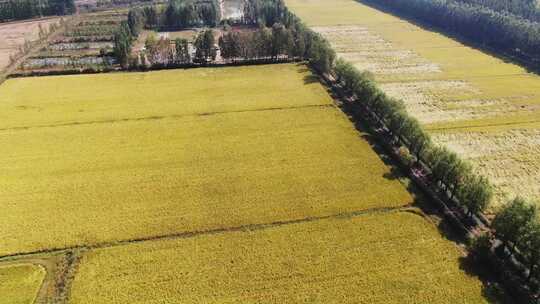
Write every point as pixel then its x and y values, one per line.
pixel 13 36
pixel 510 159
pixel 371 52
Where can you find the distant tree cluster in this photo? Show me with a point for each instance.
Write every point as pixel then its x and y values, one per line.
pixel 191 13
pixel 269 43
pixel 176 15
pixel 500 30
pixel 527 9
pixel 26 9
pixel 279 35
pixel 163 52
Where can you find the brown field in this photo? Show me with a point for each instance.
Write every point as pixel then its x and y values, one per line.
pixel 14 34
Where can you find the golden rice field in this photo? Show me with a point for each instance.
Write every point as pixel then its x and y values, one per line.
pixel 113 97
pixel 19 284
pixel 479 105
pixel 395 257
pixel 90 169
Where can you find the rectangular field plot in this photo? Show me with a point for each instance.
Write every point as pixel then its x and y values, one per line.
pixel 90 183
pixel 19 284
pixel 28 102
pixel 395 257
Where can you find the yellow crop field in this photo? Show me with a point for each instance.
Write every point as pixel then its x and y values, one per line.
pixel 19 284
pixel 393 257
pixel 139 175
pixel 28 102
pixel 471 101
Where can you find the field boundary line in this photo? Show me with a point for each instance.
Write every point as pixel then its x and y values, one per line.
pixel 198 233
pixel 484 125
pixel 148 118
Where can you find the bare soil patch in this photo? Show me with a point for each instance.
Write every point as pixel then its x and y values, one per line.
pixel 14 34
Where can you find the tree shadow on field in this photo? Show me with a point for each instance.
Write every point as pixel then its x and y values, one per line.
pixel 492 291
pixel 310 78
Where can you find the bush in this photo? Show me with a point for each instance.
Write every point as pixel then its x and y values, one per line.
pixel 480 248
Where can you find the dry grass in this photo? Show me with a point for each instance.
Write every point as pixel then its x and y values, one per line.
pixel 19 284
pixel 138 156
pixel 387 258
pixel 14 34
pixel 510 158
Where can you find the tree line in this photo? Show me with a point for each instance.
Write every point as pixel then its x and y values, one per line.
pixel 502 31
pixel 176 15
pixel 517 224
pixel 26 9
pixel 527 9
pixel 279 34
pixel 450 173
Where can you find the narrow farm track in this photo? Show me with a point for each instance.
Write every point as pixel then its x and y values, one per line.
pixel 61 264
pixel 192 234
pixel 465 127
pixel 110 121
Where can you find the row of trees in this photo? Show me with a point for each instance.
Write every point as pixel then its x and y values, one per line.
pixel 518 226
pixel 26 9
pixel 450 173
pixel 525 8
pixel 178 14
pixel 502 31
pixel 191 13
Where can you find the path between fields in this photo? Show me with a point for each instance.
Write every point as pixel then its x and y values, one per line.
pixel 162 117
pixel 61 264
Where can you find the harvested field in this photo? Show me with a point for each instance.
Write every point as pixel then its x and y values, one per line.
pixel 184 151
pixel 448 86
pixel 395 257
pixel 510 158
pixel 14 34
pixel 19 284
